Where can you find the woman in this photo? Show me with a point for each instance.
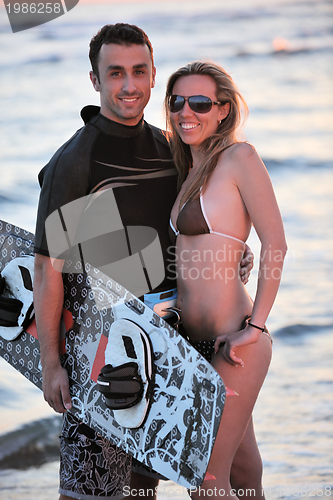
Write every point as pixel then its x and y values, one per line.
pixel 225 188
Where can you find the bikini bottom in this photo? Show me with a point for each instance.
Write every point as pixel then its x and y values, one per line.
pixel 206 347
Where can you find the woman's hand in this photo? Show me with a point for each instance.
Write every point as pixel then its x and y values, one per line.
pixel 232 341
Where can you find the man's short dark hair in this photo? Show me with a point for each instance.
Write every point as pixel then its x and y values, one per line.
pixel 120 34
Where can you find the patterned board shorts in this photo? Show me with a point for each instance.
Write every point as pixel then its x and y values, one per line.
pixel 90 466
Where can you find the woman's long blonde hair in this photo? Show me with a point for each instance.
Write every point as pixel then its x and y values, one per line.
pixel 225 136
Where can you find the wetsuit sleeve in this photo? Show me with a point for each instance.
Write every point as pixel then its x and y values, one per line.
pixel 64 179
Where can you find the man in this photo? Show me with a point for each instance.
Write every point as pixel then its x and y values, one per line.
pixel 118 150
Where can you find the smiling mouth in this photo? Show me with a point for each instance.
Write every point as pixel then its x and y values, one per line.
pixel 129 100
pixel 189 126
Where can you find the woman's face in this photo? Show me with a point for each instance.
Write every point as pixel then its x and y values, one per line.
pixel 193 127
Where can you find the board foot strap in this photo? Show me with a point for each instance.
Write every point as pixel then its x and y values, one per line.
pixel 10 310
pixel 121 385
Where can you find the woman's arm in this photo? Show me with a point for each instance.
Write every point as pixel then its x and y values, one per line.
pixel 255 187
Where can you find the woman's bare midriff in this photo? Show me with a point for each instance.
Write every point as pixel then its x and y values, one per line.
pixel 211 295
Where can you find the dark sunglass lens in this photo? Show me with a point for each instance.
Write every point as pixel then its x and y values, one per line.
pixel 176 103
pixel 200 103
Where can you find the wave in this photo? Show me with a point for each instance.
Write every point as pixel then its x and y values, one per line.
pixel 282 48
pixel 297 164
pixel 46 58
pixel 18 194
pixel 300 329
pixel 32 445
pixel 6 199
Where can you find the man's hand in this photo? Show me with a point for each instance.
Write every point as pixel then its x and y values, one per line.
pixel 246 265
pixel 56 388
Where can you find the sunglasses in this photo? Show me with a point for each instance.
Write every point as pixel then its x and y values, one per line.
pixel 198 103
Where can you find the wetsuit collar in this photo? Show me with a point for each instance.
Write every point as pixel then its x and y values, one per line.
pixel 92 115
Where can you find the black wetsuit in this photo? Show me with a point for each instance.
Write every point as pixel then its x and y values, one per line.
pixel 135 161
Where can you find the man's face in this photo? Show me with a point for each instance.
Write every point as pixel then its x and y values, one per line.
pixel 126 79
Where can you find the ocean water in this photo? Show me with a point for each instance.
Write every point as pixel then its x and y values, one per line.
pixel 280 55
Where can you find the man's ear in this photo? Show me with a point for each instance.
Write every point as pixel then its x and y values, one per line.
pixel 94 81
pixel 153 79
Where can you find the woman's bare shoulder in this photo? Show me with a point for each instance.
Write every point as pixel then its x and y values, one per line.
pixel 244 155
pixel 239 154
pixel 242 150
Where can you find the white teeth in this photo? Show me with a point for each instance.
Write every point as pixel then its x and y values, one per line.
pixel 188 126
pixel 133 99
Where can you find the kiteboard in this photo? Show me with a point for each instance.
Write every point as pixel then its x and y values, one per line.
pixel 187 397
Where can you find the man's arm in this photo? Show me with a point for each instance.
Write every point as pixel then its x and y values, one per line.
pixel 48 304
pixel 246 264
